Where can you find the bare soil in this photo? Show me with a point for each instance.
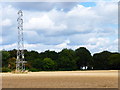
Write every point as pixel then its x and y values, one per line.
pixel 62 79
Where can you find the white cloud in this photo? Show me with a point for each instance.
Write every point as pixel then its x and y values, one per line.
pixel 39 23
pixel 92 27
pixel 98 41
pixel 9 46
pixel 43 23
pixel 63 45
pixel 6 22
pixel 0 40
pixel 78 19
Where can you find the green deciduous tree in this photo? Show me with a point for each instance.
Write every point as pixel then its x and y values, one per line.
pixel 13 53
pixel 48 64
pixel 101 60
pixel 114 61
pixel 36 63
pixel 83 57
pixel 49 54
pixel 5 57
pixel 11 63
pixel 66 60
pixel 31 55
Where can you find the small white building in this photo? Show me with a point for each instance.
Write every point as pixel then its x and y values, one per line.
pixel 84 68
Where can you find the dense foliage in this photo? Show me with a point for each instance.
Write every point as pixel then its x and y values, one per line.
pixel 67 59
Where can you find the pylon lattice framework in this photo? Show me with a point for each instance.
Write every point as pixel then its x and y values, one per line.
pixel 20 63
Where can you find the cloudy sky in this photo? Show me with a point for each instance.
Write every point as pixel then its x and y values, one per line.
pixel 55 25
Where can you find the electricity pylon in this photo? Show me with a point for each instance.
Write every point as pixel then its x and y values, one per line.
pixel 20 62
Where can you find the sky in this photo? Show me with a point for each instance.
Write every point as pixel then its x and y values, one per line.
pixel 58 25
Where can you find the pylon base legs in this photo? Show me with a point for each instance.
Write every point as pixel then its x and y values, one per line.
pixel 20 72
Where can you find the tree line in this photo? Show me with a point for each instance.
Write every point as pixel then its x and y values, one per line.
pixel 65 60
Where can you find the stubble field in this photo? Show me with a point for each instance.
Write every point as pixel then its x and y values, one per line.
pixel 61 79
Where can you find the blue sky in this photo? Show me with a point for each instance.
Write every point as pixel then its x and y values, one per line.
pixel 88 4
pixel 55 25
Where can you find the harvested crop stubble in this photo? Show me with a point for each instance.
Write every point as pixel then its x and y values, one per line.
pixel 62 79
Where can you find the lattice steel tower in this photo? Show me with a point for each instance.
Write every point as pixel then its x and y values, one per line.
pixel 20 63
